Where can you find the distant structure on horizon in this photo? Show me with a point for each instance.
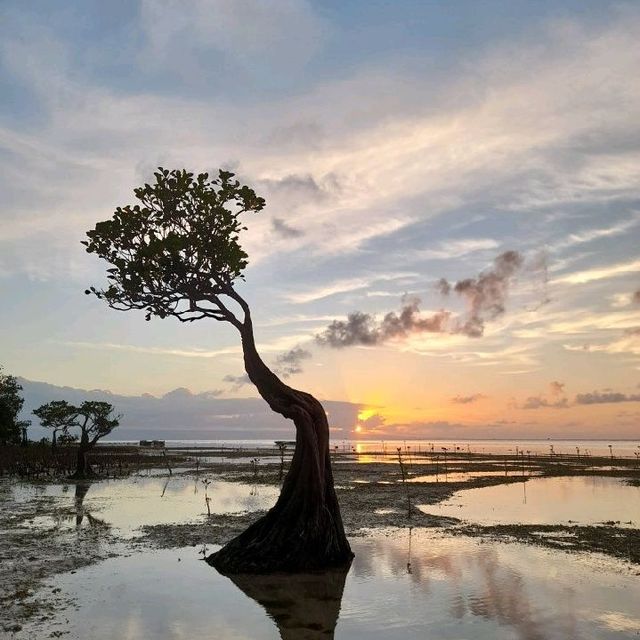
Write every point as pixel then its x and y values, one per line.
pixel 155 444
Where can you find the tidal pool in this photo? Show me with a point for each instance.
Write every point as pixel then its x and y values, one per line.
pixel 468 476
pixel 568 499
pixel 400 586
pixel 129 503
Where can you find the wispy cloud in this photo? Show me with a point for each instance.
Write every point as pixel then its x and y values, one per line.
pixel 458 248
pixel 599 273
pixel 468 399
pixel 606 397
pixel 344 286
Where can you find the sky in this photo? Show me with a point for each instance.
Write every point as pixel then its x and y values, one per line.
pixel 471 168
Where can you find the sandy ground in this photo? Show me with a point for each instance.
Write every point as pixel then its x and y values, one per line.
pixel 45 536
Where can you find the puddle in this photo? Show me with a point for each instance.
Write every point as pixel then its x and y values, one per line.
pixel 127 504
pixel 399 587
pixel 577 499
pixel 465 476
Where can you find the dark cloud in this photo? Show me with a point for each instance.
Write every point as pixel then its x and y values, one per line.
pixel 556 388
pixel 289 363
pixel 443 287
pixel 185 414
pixel 636 296
pixel 606 397
pixel 538 402
pixel 237 382
pixel 362 329
pixel 281 228
pixel 297 188
pixel 485 294
pixel 467 399
pixel 376 421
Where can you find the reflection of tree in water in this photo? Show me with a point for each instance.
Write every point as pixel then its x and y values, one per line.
pixel 303 606
pixel 81 512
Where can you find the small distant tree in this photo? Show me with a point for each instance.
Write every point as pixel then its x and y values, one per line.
pixel 176 253
pixel 12 430
pixel 93 419
pixel 59 416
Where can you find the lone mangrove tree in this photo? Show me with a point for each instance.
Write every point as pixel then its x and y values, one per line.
pixel 93 419
pixel 176 253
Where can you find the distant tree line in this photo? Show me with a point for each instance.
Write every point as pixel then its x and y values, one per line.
pixel 84 424
pixel 12 430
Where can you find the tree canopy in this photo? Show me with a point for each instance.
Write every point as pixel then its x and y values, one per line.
pixel 57 415
pixel 177 251
pixel 93 419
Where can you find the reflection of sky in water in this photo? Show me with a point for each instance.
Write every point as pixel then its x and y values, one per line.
pixel 133 502
pixel 619 448
pixel 583 499
pixel 464 476
pixel 433 587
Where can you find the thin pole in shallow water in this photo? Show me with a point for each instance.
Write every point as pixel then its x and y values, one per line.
pixel 404 482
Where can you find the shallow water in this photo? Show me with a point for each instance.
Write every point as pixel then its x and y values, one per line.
pixel 129 503
pixel 399 587
pixel 466 476
pixel 576 499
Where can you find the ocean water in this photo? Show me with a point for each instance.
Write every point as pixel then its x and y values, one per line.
pixel 614 448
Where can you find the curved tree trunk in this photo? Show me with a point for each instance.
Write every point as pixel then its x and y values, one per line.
pixel 304 530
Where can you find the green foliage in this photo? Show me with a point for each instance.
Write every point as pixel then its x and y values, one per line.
pixel 10 406
pixel 178 247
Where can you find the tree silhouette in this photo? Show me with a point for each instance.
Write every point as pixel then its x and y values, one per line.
pixel 93 419
pixel 304 606
pixel 177 254
pixel 59 416
pixel 12 430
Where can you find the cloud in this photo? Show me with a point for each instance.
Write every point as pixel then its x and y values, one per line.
pixel 289 363
pixel 459 248
pixel 363 329
pixel 243 33
pixel 486 297
pixel 599 273
pixel 344 286
pixel 538 402
pixel 636 296
pixel 468 399
pixel 237 382
pixel 628 343
pixel 590 235
pixel 556 388
pixel 132 348
pixel 281 228
pixel 370 424
pixel 606 397
pixel 182 393
pixel 486 294
pixel 181 414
